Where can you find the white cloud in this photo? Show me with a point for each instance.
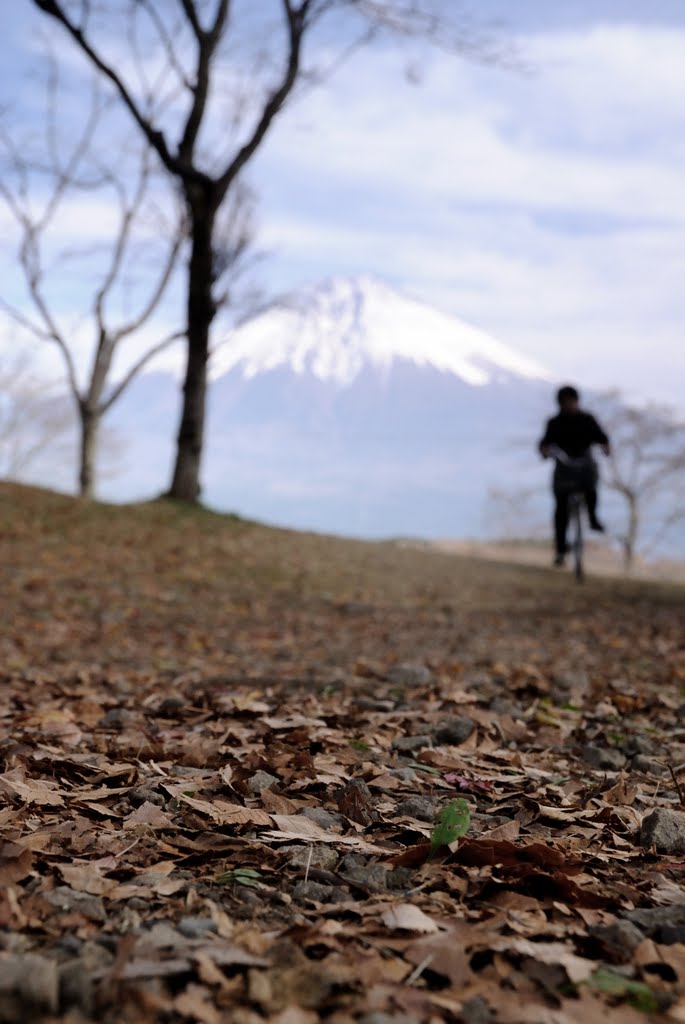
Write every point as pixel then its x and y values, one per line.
pixel 549 210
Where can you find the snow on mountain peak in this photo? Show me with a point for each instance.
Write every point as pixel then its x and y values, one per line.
pixel 336 329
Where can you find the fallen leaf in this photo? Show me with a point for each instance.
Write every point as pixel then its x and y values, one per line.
pixel 409 918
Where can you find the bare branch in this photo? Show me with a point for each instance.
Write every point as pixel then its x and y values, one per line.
pixel 167 43
pixel 158 291
pixel 207 44
pixel 138 366
pixel 154 135
pixel 295 19
pixel 128 214
pixel 24 321
pixel 33 416
pixel 190 12
pixel 647 457
pixel 65 175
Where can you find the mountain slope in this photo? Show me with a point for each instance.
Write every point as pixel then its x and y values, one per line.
pixel 355 410
pixel 336 329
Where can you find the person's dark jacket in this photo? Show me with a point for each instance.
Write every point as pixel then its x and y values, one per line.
pixel 574 433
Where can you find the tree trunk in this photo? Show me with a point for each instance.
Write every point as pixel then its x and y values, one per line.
pixel 185 484
pixel 630 541
pixel 90 424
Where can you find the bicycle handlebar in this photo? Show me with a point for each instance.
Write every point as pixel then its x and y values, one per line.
pixel 559 455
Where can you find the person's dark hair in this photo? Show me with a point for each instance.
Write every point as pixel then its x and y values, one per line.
pixel 567 393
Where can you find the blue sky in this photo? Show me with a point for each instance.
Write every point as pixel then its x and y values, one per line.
pixel 546 206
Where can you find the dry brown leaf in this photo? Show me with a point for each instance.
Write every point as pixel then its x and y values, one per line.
pixel 16 861
pixel 407 917
pixel 277 804
pixel 148 814
pixel 293 721
pixel 578 968
pixel 30 791
pixel 87 878
pixel 299 827
pixel 509 831
pixel 228 814
pixel 442 954
pixel 195 1002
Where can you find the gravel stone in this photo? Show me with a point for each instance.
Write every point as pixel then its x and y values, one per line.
pixel 665 830
pixel 504 706
pixel 372 876
pixel 407 674
pixel 250 898
pixel 261 780
pixel 663 924
pixel 641 763
pixel 373 704
pixel 453 731
pixel 320 816
pixel 315 856
pixel 319 893
pixel 29 988
pixel 570 683
pixel 137 903
pixel 603 758
pixel 117 718
pixel 351 861
pixel 400 879
pixel 100 953
pixel 404 774
pixel 422 808
pixel 69 945
pixel 195 927
pixel 640 745
pixel 76 987
pixel 146 794
pixel 408 744
pixel 618 939
pixel 66 899
pixel 476 1011
pixel 170 706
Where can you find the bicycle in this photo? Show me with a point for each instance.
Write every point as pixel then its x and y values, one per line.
pixel 576 500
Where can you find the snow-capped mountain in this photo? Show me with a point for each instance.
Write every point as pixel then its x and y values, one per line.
pixel 350 408
pixel 336 330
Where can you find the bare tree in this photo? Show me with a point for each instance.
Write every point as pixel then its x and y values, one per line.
pixel 38 186
pixel 647 471
pixel 35 418
pixel 162 61
pixel 513 515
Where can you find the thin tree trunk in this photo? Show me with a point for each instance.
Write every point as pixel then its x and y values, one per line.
pixel 630 541
pixel 185 484
pixel 90 424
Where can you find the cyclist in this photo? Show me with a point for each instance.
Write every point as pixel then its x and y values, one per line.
pixel 575 432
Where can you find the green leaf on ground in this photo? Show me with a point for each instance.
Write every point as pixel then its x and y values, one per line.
pixel 240 876
pixel 636 993
pixel 453 822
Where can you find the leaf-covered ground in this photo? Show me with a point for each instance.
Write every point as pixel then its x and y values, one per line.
pixel 224 750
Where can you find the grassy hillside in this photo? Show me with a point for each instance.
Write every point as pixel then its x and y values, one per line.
pixel 225 748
